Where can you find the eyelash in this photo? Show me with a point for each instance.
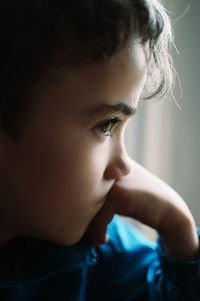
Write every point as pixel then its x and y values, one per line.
pixel 111 124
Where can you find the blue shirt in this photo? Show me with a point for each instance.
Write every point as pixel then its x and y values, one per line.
pixel 127 268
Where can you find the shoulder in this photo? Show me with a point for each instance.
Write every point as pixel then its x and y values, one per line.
pixel 126 241
pixel 124 261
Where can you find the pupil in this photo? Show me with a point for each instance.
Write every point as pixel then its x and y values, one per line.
pixel 108 127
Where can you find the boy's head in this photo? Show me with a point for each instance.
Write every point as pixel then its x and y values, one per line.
pixel 64 65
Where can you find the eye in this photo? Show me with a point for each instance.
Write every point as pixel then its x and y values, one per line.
pixel 106 128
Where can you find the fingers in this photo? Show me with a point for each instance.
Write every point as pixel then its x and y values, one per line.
pixel 98 226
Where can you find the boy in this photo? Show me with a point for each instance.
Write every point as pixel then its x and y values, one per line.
pixel 72 74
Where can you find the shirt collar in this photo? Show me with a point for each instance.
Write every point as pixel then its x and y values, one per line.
pixel 28 257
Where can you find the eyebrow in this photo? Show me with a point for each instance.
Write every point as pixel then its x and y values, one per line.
pixel 108 108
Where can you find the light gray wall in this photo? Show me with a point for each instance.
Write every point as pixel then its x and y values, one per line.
pixel 186 123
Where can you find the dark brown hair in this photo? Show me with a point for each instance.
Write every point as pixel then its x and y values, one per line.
pixel 39 38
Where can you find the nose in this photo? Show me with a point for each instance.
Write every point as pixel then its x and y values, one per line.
pixel 119 166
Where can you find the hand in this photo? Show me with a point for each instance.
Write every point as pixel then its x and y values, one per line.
pixel 143 196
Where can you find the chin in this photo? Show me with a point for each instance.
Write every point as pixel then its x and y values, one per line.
pixel 72 239
pixel 63 241
pixel 57 238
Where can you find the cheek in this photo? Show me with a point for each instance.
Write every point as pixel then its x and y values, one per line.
pixel 58 179
pixel 60 172
pixel 82 175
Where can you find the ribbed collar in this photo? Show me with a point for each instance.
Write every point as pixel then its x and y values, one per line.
pixel 26 258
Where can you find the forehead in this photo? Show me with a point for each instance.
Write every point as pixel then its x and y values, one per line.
pixel 129 62
pixel 119 78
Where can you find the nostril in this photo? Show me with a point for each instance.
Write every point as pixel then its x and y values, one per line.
pixel 118 168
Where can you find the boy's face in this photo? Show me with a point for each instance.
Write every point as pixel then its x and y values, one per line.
pixel 56 177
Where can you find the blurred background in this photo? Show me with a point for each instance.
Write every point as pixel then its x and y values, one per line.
pixel 164 136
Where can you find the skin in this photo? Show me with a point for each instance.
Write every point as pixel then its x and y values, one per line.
pixel 145 197
pixel 64 178
pixel 53 178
